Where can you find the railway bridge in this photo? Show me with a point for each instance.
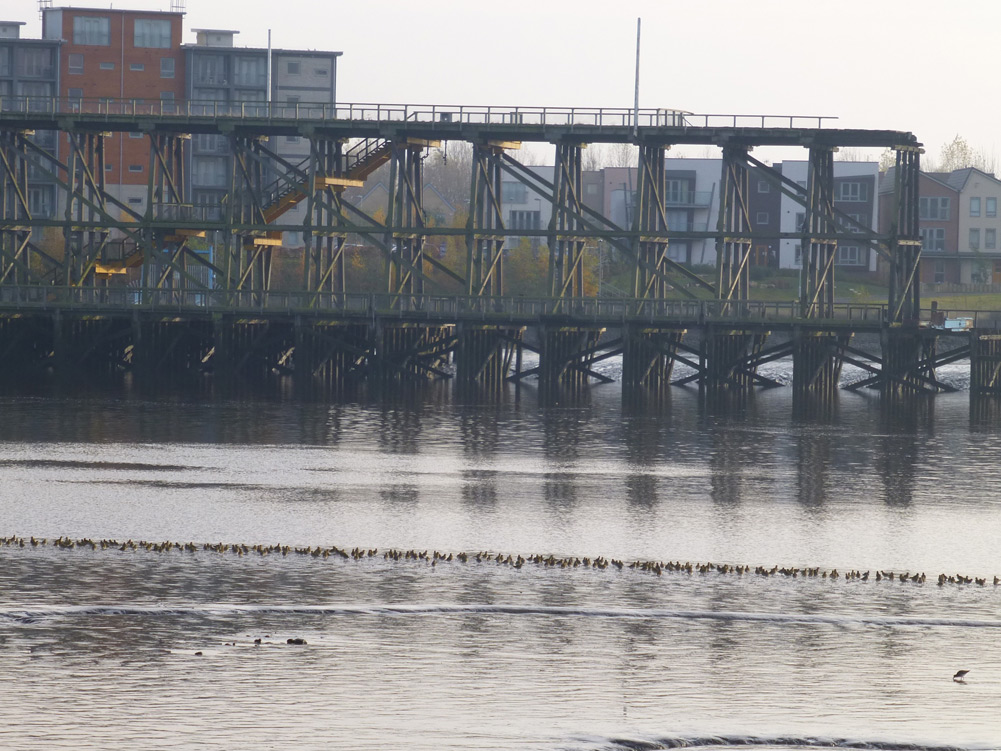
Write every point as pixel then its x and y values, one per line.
pixel 130 289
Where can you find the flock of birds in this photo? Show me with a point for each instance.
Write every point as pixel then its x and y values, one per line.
pixel 657 568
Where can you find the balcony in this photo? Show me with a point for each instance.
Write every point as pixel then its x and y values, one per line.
pixel 694 199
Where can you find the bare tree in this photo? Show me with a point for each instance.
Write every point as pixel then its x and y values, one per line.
pixel 449 169
pixel 959 154
pixel 850 154
pixel 887 160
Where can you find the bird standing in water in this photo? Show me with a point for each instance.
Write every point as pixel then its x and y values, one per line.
pixel 960 676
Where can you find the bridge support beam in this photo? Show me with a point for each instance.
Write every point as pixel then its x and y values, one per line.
pixel 728 358
pixel 485 254
pixel 816 363
pixel 406 217
pixel 85 204
pixel 412 351
pixel 168 347
pixel 248 254
pixel 908 362
pixel 733 244
pixel 323 266
pixel 648 356
pixel 484 354
pixel 330 354
pixel 92 344
pixel 650 279
pixel 816 290
pixel 905 243
pixel 167 258
pixel 566 252
pixel 21 261
pixel 248 348
pixel 26 343
pixel 985 363
pixel 566 358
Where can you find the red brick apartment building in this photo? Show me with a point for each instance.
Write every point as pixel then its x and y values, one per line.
pixel 119 54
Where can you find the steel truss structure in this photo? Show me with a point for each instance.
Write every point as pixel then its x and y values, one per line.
pixel 106 242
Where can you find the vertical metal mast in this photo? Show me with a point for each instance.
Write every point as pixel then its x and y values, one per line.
pixel 636 98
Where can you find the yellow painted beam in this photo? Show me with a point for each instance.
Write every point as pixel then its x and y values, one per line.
pixel 108 270
pixel 338 182
pixel 505 144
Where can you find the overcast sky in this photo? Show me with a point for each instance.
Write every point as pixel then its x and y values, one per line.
pixel 915 65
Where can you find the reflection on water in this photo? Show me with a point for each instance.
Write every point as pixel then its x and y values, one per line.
pixel 483 655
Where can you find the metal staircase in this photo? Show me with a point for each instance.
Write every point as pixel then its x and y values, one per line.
pixel 361 160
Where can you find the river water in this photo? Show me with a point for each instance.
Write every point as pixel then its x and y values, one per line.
pixel 107 648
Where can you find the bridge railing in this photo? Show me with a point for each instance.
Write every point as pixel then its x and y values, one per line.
pixel 605 311
pixel 599 310
pixel 421 113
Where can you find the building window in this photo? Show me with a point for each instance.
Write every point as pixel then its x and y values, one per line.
pixel 109 168
pixel 75 94
pixel 5 66
pixel 990 239
pixel 764 187
pixel 321 71
pixel 974 207
pixel 676 191
pixel 291 139
pixel 933 239
pixel 857 224
pixel 136 201
pixel 524 220
pixel 107 66
pixel 852 191
pixel 166 67
pixel 849 255
pixel 135 168
pixel 992 207
pixel 209 69
pixel 798 255
pixel 293 68
pixel 974 239
pixel 209 143
pixel 250 71
pixel 209 172
pixel 136 134
pixel 92 30
pixel 800 220
pixel 34 63
pixel 512 192
pixel 152 32
pixel 40 202
pixel 137 67
pixel 761 218
pixel 678 220
pixel 934 208
pixel 36 89
pixel 939 271
pixel 75 63
pixel 166 96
